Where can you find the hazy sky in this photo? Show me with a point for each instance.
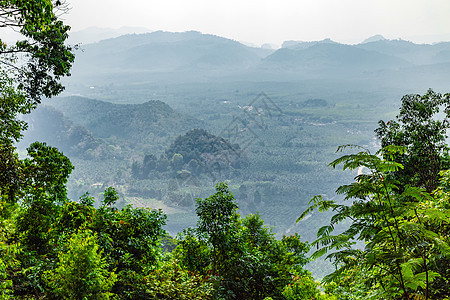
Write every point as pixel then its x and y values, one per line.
pixel 273 21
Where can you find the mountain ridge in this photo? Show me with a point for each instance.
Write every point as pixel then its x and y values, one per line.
pixel 194 57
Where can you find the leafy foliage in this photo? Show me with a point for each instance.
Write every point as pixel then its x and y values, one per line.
pixel 304 287
pixel 129 238
pixel 217 220
pixel 40 59
pixel 29 69
pixel 242 257
pixel 45 174
pixel 82 272
pixel 401 238
pixel 9 252
pixel 171 281
pixel 421 128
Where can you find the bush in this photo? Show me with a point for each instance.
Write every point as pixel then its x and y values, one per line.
pixel 81 272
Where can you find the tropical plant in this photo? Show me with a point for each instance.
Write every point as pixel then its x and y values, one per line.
pixel 402 232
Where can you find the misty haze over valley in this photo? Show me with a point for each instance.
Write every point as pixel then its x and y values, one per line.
pixel 248 150
pixel 131 97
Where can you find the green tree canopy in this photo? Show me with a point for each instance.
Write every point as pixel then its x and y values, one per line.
pixel 242 256
pixel 30 68
pixel 82 272
pixel 421 127
pixel 39 58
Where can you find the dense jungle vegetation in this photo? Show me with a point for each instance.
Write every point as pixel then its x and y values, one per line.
pixel 392 243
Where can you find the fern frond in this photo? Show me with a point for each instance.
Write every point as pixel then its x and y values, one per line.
pixel 325 230
pixel 319 203
pixel 417 193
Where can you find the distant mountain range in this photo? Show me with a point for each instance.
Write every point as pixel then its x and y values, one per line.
pixel 417 54
pixel 166 52
pixel 331 57
pixel 96 34
pixel 195 57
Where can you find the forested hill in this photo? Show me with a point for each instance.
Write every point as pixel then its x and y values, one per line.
pixel 92 129
pixel 197 142
pixel 134 122
pixel 50 125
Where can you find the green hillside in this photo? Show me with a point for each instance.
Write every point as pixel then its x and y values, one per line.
pixel 143 123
